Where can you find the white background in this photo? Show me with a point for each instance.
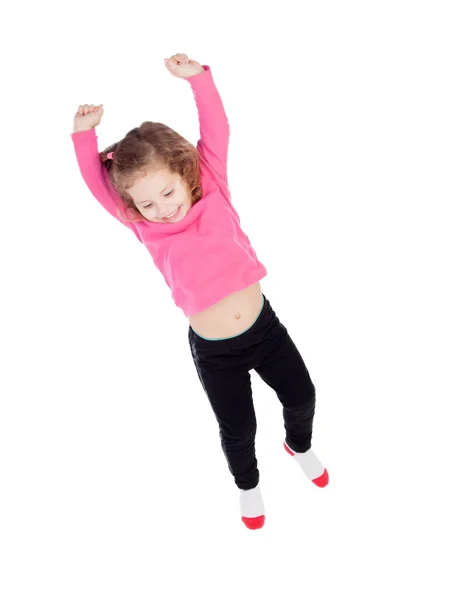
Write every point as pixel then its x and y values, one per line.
pixel 343 169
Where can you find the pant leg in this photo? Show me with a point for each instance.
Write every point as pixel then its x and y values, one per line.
pixel 228 387
pixel 284 370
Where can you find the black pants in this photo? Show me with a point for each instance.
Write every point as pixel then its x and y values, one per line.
pixel 224 366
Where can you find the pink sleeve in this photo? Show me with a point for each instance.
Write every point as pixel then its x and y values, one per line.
pixel 96 176
pixel 214 126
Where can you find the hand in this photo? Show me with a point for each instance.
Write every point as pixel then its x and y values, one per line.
pixel 87 117
pixel 181 66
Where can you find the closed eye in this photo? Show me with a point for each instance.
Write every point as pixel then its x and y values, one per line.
pixel 166 196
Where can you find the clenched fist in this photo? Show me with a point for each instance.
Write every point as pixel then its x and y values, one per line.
pixel 181 66
pixel 87 117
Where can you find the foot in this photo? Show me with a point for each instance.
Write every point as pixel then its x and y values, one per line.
pixel 310 465
pixel 252 509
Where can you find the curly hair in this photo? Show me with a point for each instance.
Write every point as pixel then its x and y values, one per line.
pixel 151 146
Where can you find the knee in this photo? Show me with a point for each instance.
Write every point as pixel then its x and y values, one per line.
pixel 303 404
pixel 238 441
pixel 310 394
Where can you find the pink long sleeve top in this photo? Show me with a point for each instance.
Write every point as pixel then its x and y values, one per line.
pixel 206 256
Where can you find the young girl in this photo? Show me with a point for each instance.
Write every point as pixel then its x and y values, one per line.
pixel 175 198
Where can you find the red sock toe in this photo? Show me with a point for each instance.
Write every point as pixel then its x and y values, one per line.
pixel 322 480
pixel 254 522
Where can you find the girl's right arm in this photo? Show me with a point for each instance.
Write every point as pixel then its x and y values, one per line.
pixel 96 175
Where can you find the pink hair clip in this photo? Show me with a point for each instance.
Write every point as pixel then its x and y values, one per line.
pixel 110 155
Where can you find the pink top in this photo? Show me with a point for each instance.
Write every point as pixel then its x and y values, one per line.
pixel 206 256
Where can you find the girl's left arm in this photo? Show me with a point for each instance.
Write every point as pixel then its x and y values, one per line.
pixel 214 126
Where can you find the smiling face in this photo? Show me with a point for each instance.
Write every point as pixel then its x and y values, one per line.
pixel 159 194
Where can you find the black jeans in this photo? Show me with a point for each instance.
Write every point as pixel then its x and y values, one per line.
pixel 224 366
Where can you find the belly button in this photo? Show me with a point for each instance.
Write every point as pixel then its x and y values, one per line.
pixel 237 316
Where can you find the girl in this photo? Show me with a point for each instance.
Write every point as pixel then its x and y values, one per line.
pixel 175 198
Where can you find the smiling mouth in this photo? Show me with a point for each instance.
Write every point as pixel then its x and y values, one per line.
pixel 173 214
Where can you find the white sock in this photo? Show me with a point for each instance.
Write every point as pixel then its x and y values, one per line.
pixel 251 503
pixel 308 461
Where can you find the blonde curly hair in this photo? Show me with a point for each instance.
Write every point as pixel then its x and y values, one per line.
pixel 149 147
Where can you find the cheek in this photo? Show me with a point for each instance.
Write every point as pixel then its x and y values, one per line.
pixel 184 196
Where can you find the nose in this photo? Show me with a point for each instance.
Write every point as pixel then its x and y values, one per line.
pixel 164 212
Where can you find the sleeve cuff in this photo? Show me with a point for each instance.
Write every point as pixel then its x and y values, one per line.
pixel 82 135
pixel 200 79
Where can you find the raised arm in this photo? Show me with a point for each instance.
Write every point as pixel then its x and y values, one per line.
pixel 214 126
pixel 96 176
